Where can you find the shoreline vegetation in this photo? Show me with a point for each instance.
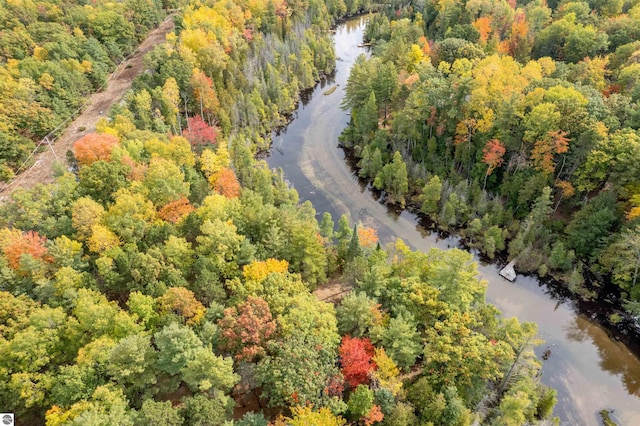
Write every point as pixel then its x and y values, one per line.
pixel 491 132
pixel 173 268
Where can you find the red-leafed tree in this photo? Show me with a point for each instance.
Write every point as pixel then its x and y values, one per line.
pixel 29 243
pixel 492 156
pixel 355 357
pixel 94 147
pixel 199 133
pixel 175 210
pixel 226 183
pixel 246 329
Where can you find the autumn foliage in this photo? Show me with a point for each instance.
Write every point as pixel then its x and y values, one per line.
pixel 226 183
pixel 259 270
pixel 200 133
pixel 175 210
pixel 367 236
pixel 483 26
pixel 356 359
pixel 30 243
pixel 247 328
pixel 375 415
pixel 205 93
pixel 492 154
pixel 94 147
pixel 182 302
pixel 544 149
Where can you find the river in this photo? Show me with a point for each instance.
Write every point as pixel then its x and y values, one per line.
pixel 590 370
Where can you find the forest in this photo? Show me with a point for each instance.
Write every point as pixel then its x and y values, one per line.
pixel 514 124
pixel 167 277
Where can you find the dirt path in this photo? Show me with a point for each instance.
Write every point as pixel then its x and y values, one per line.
pixel 98 104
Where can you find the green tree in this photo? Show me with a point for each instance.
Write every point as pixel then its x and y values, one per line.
pixel 203 410
pixel 460 356
pixel 533 227
pixel 401 341
pixel 356 314
pixel 131 364
pixel 165 182
pixel 206 371
pixel 298 369
pixel 101 179
pixel 366 118
pixel 360 402
pixel 588 230
pixel 158 413
pixel 393 179
pixel 623 260
pixel 326 226
pixel 430 196
pixel 177 345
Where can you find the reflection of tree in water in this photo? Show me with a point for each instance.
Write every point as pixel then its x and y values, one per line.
pixel 353 24
pixel 615 358
pixel 576 332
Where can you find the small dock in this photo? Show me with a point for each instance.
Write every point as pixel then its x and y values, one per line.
pixel 509 271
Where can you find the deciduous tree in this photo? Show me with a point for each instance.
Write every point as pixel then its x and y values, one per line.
pixel 94 147
pixel 356 360
pixel 245 330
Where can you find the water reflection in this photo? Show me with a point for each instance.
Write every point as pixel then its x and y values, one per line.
pixel 615 357
pixel 590 370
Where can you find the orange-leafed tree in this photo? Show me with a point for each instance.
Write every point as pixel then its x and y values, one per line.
pixel 483 25
pixel 226 183
pixel 183 303
pixel 519 40
pixel 175 210
pixel 492 156
pixel 555 142
pixel 246 329
pixel 425 45
pixel 375 415
pixel 356 359
pixel 367 236
pixel 204 92
pixel 566 190
pixel 30 243
pixel 94 147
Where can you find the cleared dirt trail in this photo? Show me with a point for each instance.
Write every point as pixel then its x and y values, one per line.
pixel 41 171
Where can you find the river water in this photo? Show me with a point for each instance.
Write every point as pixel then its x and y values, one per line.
pixel 590 370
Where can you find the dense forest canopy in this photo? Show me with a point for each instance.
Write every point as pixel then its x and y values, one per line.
pixel 514 123
pixel 169 278
pixel 53 54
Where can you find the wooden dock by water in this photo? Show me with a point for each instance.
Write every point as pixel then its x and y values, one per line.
pixel 509 271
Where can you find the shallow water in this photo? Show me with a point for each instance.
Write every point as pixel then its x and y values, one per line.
pixel 590 370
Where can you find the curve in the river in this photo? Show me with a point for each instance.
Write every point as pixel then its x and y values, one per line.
pixel 590 370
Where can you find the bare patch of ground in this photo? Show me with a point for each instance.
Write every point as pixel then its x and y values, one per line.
pixel 41 171
pixel 333 291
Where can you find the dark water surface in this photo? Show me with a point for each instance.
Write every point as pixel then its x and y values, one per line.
pixel 590 370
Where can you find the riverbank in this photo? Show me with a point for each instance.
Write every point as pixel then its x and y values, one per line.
pixel 605 309
pixel 591 370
